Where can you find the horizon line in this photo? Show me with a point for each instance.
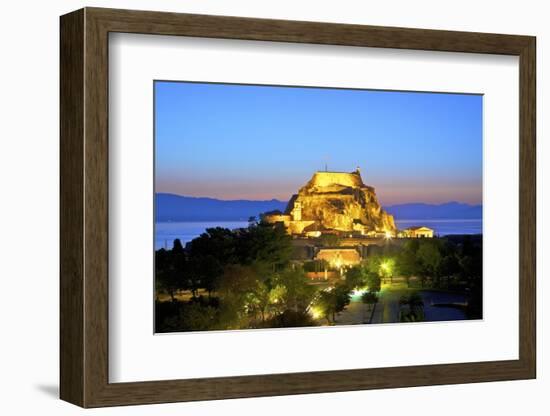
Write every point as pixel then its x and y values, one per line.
pixel 286 201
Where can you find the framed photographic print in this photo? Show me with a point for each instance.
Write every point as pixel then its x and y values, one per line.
pixel 255 207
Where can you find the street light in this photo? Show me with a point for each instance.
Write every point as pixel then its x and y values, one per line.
pixel 386 268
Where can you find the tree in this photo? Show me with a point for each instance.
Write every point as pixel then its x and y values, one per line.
pixel 407 261
pixel 197 317
pixel 259 299
pixel 209 254
pixel 429 258
pixel 414 305
pixel 369 298
pixel 383 266
pixel 330 302
pixel 372 264
pixel 252 290
pixel 326 305
pixel 387 268
pixel 471 265
pixel 264 243
pixel 168 281
pixel 355 277
pixel 170 270
pixel 290 318
pixel 217 242
pixel 373 282
pixel 292 290
pixel 342 298
pixel 236 290
pixel 177 248
pixel 449 266
pixel 204 271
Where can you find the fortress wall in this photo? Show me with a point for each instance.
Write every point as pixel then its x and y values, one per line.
pixel 274 218
pixel 336 178
pixel 297 227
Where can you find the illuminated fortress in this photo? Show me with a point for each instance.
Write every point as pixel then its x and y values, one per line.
pixel 335 203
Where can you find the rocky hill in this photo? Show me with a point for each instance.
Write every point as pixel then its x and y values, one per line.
pixel 337 201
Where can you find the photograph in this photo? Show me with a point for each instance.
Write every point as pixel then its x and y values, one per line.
pixel 281 206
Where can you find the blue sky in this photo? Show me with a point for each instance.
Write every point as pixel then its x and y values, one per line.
pixel 262 142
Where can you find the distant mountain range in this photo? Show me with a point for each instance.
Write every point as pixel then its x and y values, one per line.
pixel 171 207
pixel 447 211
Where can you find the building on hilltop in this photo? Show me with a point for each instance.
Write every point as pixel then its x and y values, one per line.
pixel 334 202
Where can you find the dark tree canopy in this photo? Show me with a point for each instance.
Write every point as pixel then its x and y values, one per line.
pixel 245 278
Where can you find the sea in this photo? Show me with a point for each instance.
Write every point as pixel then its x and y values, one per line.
pixel 167 232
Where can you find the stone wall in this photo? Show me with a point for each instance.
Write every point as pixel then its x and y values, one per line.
pixel 322 179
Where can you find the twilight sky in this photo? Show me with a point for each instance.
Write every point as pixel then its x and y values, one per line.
pixel 260 142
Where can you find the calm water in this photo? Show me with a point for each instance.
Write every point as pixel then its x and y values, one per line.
pixel 442 313
pixel 167 232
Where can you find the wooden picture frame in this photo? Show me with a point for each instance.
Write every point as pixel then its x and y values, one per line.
pixel 84 207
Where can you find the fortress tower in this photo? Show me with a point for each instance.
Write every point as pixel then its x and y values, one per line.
pixel 297 211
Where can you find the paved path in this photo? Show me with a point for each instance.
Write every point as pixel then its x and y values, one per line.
pixel 386 310
pixel 355 313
